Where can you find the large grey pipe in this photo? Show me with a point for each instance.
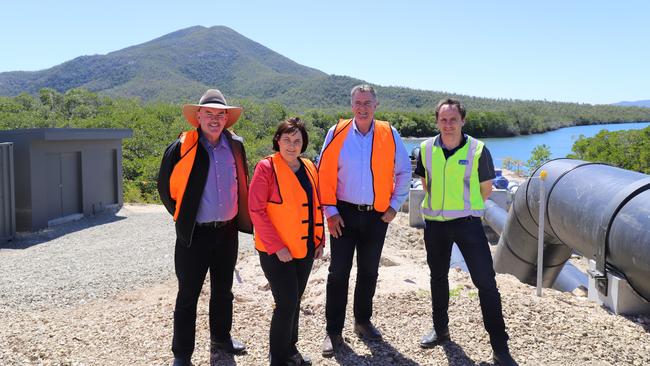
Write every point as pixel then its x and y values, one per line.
pixel 495 216
pixel 588 205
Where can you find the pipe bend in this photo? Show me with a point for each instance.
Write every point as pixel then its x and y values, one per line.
pixel 583 204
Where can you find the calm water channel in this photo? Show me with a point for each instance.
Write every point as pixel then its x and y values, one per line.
pixel 560 141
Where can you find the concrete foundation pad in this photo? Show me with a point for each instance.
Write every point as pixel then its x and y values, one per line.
pixel 621 297
pixel 64 219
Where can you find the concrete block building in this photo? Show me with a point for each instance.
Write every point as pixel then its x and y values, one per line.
pixel 64 172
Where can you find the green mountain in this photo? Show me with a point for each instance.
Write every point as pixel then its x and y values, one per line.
pixel 180 66
pixel 175 67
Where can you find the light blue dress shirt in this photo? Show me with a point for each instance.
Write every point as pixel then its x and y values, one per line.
pixel 354 182
pixel 219 199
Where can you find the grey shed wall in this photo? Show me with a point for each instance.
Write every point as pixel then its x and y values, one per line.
pixel 63 172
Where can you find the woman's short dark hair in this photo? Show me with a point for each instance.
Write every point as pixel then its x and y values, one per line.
pixel 290 126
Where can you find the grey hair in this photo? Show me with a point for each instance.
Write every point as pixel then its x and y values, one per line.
pixel 363 88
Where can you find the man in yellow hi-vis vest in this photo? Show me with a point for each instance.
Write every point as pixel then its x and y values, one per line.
pixel 457 173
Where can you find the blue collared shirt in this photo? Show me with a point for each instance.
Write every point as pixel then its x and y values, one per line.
pixel 219 199
pixel 354 178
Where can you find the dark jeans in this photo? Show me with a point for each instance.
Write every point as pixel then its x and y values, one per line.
pixel 214 249
pixel 365 232
pixel 288 281
pixel 469 236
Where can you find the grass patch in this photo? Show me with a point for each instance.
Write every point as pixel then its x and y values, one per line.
pixel 455 292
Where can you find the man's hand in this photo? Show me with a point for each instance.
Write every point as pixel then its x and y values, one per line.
pixel 284 255
pixel 319 252
pixel 389 215
pixel 335 225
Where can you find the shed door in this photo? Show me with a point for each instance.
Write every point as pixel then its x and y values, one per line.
pixel 64 185
pixel 71 183
pixel 105 171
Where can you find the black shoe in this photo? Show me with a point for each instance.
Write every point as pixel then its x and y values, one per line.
pixel 330 343
pixel 299 360
pixel 367 331
pixel 182 361
pixel 433 339
pixel 231 346
pixel 503 358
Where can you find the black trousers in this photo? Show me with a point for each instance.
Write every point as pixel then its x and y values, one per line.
pixel 469 236
pixel 288 281
pixel 214 249
pixel 365 232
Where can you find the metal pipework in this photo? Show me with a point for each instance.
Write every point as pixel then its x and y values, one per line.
pixel 594 209
pixel 495 216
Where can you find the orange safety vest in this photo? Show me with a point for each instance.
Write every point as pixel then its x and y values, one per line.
pixel 180 174
pixel 382 164
pixel 290 216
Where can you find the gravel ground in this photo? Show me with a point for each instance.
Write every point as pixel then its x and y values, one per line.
pixel 94 258
pixel 101 292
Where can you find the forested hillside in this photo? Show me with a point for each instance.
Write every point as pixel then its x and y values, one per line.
pixel 156 124
pixel 624 149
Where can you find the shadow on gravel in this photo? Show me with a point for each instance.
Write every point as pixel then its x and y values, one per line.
pixel 383 353
pixel 642 320
pixel 24 240
pixel 457 356
pixel 222 358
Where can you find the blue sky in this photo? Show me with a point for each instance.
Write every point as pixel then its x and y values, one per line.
pixel 578 51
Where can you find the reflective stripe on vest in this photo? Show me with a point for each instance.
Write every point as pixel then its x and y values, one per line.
pixel 290 216
pixel 454 189
pixel 181 173
pixel 382 164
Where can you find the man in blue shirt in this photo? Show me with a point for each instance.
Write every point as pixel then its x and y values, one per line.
pixel 203 183
pixel 365 175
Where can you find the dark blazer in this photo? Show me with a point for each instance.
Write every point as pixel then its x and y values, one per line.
pixel 196 182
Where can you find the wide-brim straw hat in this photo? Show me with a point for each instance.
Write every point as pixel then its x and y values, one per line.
pixel 212 98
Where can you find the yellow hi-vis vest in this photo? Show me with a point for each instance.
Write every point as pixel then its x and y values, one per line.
pixel 454 189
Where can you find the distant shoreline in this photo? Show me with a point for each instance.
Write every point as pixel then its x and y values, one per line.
pixel 537 133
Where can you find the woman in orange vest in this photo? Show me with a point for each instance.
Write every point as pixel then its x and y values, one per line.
pixel 288 221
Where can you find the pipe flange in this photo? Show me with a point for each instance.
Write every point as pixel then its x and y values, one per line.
pixel 602 237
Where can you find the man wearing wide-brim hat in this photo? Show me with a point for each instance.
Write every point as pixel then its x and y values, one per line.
pixel 203 183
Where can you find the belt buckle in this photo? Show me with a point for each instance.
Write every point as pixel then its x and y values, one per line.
pixel 365 208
